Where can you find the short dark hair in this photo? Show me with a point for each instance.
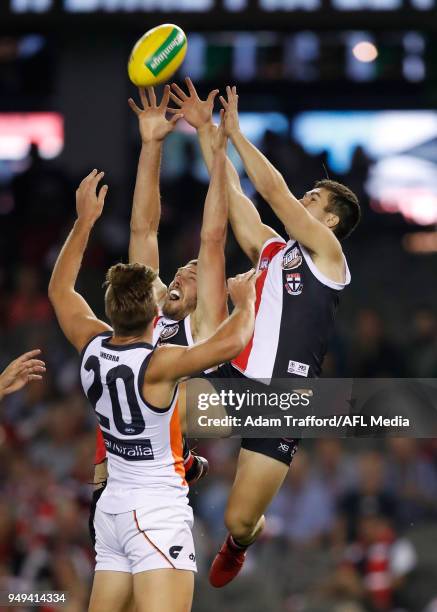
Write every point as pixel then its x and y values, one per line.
pixel 129 301
pixel 343 203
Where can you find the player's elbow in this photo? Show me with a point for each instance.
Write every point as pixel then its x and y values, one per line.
pixel 54 290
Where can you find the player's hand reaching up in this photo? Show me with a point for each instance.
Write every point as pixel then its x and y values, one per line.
pixel 231 110
pixel 241 288
pixel 21 371
pixel 151 118
pixel 197 112
pixel 89 203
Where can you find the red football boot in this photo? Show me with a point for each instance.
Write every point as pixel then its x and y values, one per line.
pixel 227 563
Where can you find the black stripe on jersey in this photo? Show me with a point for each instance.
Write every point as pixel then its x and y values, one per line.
pixel 102 334
pixel 141 375
pixel 126 347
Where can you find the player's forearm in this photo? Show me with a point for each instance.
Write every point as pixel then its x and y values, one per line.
pixel 146 209
pixel 236 331
pixel 243 216
pixel 206 134
pixel 215 214
pixel 66 270
pixel 264 176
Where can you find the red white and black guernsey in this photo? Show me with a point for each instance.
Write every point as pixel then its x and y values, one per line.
pixel 295 311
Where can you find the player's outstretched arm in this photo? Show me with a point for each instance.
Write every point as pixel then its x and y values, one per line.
pixel 212 298
pixel 250 232
pixel 75 317
pixel 270 183
pixel 171 364
pixel 146 209
pixel 21 371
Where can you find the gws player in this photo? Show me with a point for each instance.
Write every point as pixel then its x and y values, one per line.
pixel 194 304
pixel 143 520
pixel 297 297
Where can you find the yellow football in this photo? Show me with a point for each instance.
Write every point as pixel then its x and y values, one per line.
pixel 157 55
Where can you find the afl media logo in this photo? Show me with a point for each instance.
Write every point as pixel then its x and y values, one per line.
pixel 168 331
pixel 292 259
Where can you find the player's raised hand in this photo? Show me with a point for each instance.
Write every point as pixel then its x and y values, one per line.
pixel 89 203
pixel 21 371
pixel 230 106
pixel 153 123
pixel 241 288
pixel 196 112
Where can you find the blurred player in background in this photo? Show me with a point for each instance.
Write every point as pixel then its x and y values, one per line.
pixel 143 519
pixel 20 372
pixel 297 297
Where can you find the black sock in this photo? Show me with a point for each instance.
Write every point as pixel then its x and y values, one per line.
pixel 236 544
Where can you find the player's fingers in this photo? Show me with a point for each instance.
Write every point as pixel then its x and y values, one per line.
pixel 36 370
pixel 102 195
pixel 222 118
pixel 212 95
pixel 190 86
pixel 173 110
pixel 152 96
pixel 134 107
pixel 165 97
pixel 143 97
pixel 181 93
pixel 28 355
pixel 176 118
pixel 34 377
pixel 224 103
pixel 96 180
pixel 88 177
pixel 34 363
pixel 234 90
pixel 175 99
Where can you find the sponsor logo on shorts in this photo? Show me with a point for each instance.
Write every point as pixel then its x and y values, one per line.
pixel 192 557
pixel 174 551
pixel 294 284
pixel 295 367
pixel 168 331
pixel 162 57
pixel 292 259
pixel 284 448
pixel 132 450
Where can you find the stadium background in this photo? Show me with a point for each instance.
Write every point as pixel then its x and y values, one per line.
pixel 347 506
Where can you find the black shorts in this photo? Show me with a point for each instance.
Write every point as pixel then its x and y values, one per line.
pixel 281 449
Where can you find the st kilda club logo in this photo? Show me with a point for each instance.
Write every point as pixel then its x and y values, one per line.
pixel 294 284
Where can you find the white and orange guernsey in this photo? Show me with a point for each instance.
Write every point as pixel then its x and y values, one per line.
pixel 146 477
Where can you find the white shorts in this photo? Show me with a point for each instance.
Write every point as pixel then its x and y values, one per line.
pixel 145 539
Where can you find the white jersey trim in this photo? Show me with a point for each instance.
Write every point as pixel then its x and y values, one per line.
pixel 266 244
pixel 322 277
pixel 187 324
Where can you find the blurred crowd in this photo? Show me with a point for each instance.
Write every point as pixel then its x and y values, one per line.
pixel 353 528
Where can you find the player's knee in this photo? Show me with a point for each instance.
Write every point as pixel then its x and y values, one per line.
pixel 240 525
